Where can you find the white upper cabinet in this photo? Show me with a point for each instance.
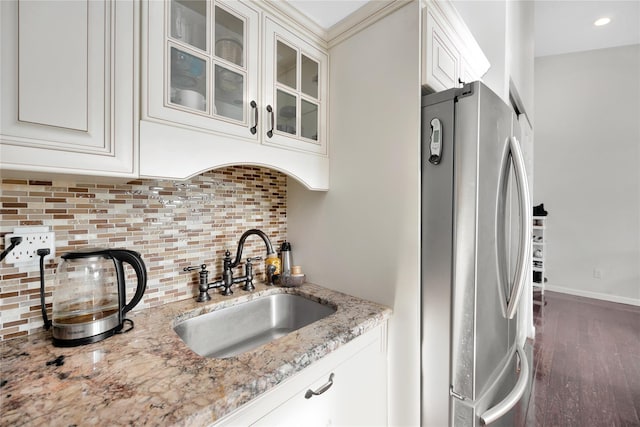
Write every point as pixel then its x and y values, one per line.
pixel 222 84
pixel 295 91
pixel 450 53
pixel 203 65
pixel 67 105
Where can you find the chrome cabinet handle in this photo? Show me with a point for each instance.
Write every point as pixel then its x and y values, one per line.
pixel 310 393
pixel 514 396
pixel 273 121
pixel 254 128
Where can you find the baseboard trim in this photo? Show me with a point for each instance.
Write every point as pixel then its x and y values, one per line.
pixel 593 295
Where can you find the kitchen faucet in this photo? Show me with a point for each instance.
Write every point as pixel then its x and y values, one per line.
pixel 227 280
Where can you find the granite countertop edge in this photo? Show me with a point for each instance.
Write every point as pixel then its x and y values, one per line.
pixel 149 377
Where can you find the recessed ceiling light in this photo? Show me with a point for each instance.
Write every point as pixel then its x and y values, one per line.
pixel 602 21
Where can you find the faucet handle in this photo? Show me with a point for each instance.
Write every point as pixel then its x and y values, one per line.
pixel 203 267
pixel 203 286
pixel 248 284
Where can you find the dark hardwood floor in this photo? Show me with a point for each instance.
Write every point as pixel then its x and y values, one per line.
pixel 586 364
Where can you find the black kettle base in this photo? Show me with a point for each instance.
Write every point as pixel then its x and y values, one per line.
pixel 83 341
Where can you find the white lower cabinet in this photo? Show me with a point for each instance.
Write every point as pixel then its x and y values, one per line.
pixel 351 387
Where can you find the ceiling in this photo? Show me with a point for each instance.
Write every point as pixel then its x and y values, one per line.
pixel 560 26
pixel 567 26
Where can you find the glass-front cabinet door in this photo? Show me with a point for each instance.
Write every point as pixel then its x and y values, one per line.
pixel 295 91
pixel 203 65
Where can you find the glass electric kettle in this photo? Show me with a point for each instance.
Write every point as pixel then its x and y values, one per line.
pixel 89 298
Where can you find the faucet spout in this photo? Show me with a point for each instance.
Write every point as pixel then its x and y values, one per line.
pixel 227 280
pixel 246 234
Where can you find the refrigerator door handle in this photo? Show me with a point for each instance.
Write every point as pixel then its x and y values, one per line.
pixel 514 396
pixel 525 226
pixel 501 250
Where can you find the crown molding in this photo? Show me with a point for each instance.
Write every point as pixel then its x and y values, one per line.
pixel 294 18
pixel 360 19
pixel 367 15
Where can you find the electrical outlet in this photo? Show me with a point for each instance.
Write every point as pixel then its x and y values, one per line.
pixel 597 273
pixel 33 238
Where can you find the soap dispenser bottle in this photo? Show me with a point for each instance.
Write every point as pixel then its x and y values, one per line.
pixel 273 267
pixel 285 258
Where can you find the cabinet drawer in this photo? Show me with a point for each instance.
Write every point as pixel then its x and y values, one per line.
pixel 357 396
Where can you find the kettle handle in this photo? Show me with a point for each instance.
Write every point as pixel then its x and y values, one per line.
pixel 135 260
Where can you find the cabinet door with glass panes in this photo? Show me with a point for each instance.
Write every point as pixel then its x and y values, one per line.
pixel 203 65
pixel 295 91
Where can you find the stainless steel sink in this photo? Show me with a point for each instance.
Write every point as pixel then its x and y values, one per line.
pixel 233 330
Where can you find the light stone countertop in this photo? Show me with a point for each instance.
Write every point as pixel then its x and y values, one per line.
pixel 148 376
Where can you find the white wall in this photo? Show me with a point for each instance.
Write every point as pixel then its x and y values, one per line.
pixel 504 29
pixel 362 236
pixel 587 172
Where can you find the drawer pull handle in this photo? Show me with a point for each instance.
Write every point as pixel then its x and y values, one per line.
pixel 310 393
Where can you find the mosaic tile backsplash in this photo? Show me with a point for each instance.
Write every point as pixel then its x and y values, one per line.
pixel 172 224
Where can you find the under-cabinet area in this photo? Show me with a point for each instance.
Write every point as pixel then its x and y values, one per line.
pixel 173 225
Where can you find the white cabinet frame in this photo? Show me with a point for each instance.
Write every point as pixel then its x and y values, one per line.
pixel 93 130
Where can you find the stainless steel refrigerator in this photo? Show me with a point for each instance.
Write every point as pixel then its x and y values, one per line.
pixel 476 227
